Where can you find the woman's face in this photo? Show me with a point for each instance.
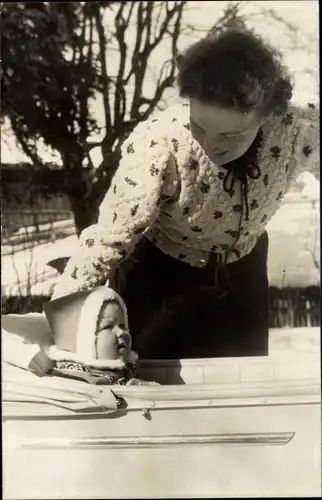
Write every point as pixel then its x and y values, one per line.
pixel 224 134
pixel 113 341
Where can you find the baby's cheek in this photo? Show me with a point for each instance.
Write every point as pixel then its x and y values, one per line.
pixel 106 345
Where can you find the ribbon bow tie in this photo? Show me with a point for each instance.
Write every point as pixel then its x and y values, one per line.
pixel 242 173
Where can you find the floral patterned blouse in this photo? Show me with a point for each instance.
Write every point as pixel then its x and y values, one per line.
pixel 167 189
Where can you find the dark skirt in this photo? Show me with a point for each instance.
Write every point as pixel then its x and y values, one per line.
pixel 179 311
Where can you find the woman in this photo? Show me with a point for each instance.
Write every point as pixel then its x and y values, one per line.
pixel 187 209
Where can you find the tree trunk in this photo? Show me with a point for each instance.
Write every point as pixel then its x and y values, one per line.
pixel 77 188
pixel 84 214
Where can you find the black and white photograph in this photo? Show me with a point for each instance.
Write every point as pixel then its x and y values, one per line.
pixel 160 249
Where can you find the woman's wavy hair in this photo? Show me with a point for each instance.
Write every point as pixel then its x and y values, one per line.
pixel 235 69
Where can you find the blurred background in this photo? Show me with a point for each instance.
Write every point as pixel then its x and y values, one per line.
pixel 76 78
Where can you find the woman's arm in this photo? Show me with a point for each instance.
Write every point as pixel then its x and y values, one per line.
pixel 130 206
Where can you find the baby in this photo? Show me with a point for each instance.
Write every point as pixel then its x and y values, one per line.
pixel 92 341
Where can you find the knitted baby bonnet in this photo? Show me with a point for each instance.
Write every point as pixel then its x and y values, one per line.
pixel 73 320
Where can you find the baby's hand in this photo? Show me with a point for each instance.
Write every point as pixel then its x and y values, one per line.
pixel 138 381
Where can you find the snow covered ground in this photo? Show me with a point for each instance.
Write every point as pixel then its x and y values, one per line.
pixel 29 267
pixel 294 247
pixel 294 251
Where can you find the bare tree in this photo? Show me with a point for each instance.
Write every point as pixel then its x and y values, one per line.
pixel 59 59
pixel 152 23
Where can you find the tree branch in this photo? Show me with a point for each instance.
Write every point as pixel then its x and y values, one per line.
pixel 306 246
pixel 148 17
pixel 315 261
pixel 28 150
pixel 166 82
pixel 139 61
pixel 138 41
pixel 102 57
pixel 142 57
pixel 164 26
pixel 293 30
pixel 157 23
pixel 82 97
pixel 120 96
pixel 92 145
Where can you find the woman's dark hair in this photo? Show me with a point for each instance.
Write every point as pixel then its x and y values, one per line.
pixel 235 69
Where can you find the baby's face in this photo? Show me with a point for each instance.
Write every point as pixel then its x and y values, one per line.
pixel 112 340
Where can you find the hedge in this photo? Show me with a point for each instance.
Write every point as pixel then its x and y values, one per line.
pixel 293 307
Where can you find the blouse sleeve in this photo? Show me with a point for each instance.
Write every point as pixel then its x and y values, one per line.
pixel 129 208
pixel 308 144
